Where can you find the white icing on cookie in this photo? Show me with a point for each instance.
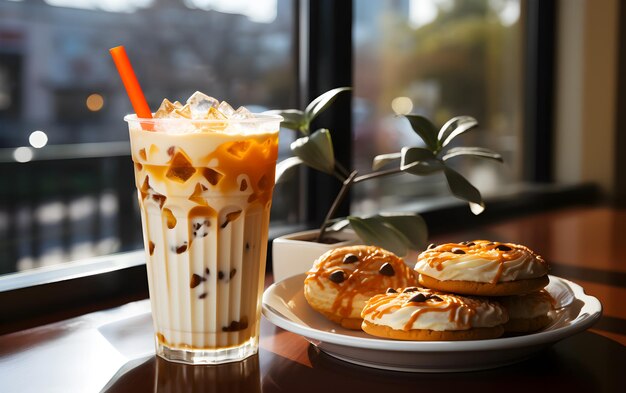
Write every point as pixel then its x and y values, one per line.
pixel 432 311
pixel 481 261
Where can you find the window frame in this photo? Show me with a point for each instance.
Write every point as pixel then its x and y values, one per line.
pixel 539 82
pixel 326 61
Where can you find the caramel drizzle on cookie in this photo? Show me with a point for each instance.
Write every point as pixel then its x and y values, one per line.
pixel 484 249
pixel 361 277
pixel 384 304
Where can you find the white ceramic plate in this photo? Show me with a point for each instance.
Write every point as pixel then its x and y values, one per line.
pixel 285 306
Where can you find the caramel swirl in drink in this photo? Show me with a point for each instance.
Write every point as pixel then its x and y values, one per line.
pixel 205 187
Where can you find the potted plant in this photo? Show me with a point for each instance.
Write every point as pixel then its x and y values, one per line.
pixel 399 233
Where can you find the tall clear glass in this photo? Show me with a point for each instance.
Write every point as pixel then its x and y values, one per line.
pixel 205 191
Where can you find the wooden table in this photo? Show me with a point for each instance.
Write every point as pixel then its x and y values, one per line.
pixel 92 352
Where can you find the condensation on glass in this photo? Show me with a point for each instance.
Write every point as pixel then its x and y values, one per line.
pixel 437 58
pixel 65 173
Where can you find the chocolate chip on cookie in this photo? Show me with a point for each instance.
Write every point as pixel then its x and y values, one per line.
pixel 419 298
pixel 338 276
pixel 386 269
pixel 350 258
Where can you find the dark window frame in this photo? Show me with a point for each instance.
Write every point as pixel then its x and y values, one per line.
pixel 326 60
pixel 324 52
pixel 539 81
pixel 620 137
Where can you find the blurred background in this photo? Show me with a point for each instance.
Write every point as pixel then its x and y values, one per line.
pixel 67 188
pixel 66 185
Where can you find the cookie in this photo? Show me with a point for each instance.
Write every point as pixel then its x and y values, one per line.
pixel 343 279
pixel 425 315
pixel 482 268
pixel 485 289
pixel 528 313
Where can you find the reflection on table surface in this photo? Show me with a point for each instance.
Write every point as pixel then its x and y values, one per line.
pixel 155 374
pixel 583 245
pixel 562 366
pixel 579 364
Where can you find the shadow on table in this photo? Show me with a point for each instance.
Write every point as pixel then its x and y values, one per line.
pixel 584 363
pixel 156 375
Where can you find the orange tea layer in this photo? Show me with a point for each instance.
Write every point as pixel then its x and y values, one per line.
pixel 481 261
pixel 205 201
pixel 418 308
pixel 196 164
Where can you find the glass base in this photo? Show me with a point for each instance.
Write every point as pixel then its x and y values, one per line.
pixel 208 356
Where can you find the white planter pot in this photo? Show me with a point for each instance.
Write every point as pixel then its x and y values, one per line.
pixel 292 254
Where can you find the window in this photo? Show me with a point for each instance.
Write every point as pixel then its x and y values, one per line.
pixel 437 58
pixel 74 196
pixel 66 183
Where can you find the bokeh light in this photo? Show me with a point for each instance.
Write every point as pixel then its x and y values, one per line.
pixel 402 105
pixel 94 102
pixel 38 139
pixel 23 154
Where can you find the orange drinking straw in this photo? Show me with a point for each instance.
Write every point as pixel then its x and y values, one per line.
pixel 135 94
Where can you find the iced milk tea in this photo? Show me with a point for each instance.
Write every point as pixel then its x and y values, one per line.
pixel 205 188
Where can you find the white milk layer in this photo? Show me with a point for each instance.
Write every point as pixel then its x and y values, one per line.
pixel 230 264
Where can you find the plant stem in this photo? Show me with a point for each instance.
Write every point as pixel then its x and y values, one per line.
pixel 339 176
pixel 377 174
pixel 333 208
pixel 342 169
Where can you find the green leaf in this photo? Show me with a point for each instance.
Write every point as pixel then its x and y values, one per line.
pixel 338 224
pixel 463 189
pixel 316 151
pixel 284 169
pixel 455 127
pixel 425 129
pixel 293 119
pixel 419 161
pixel 412 226
pixel 322 102
pixel 384 159
pixel 472 151
pixel 372 230
pixel 424 168
pixel 410 155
